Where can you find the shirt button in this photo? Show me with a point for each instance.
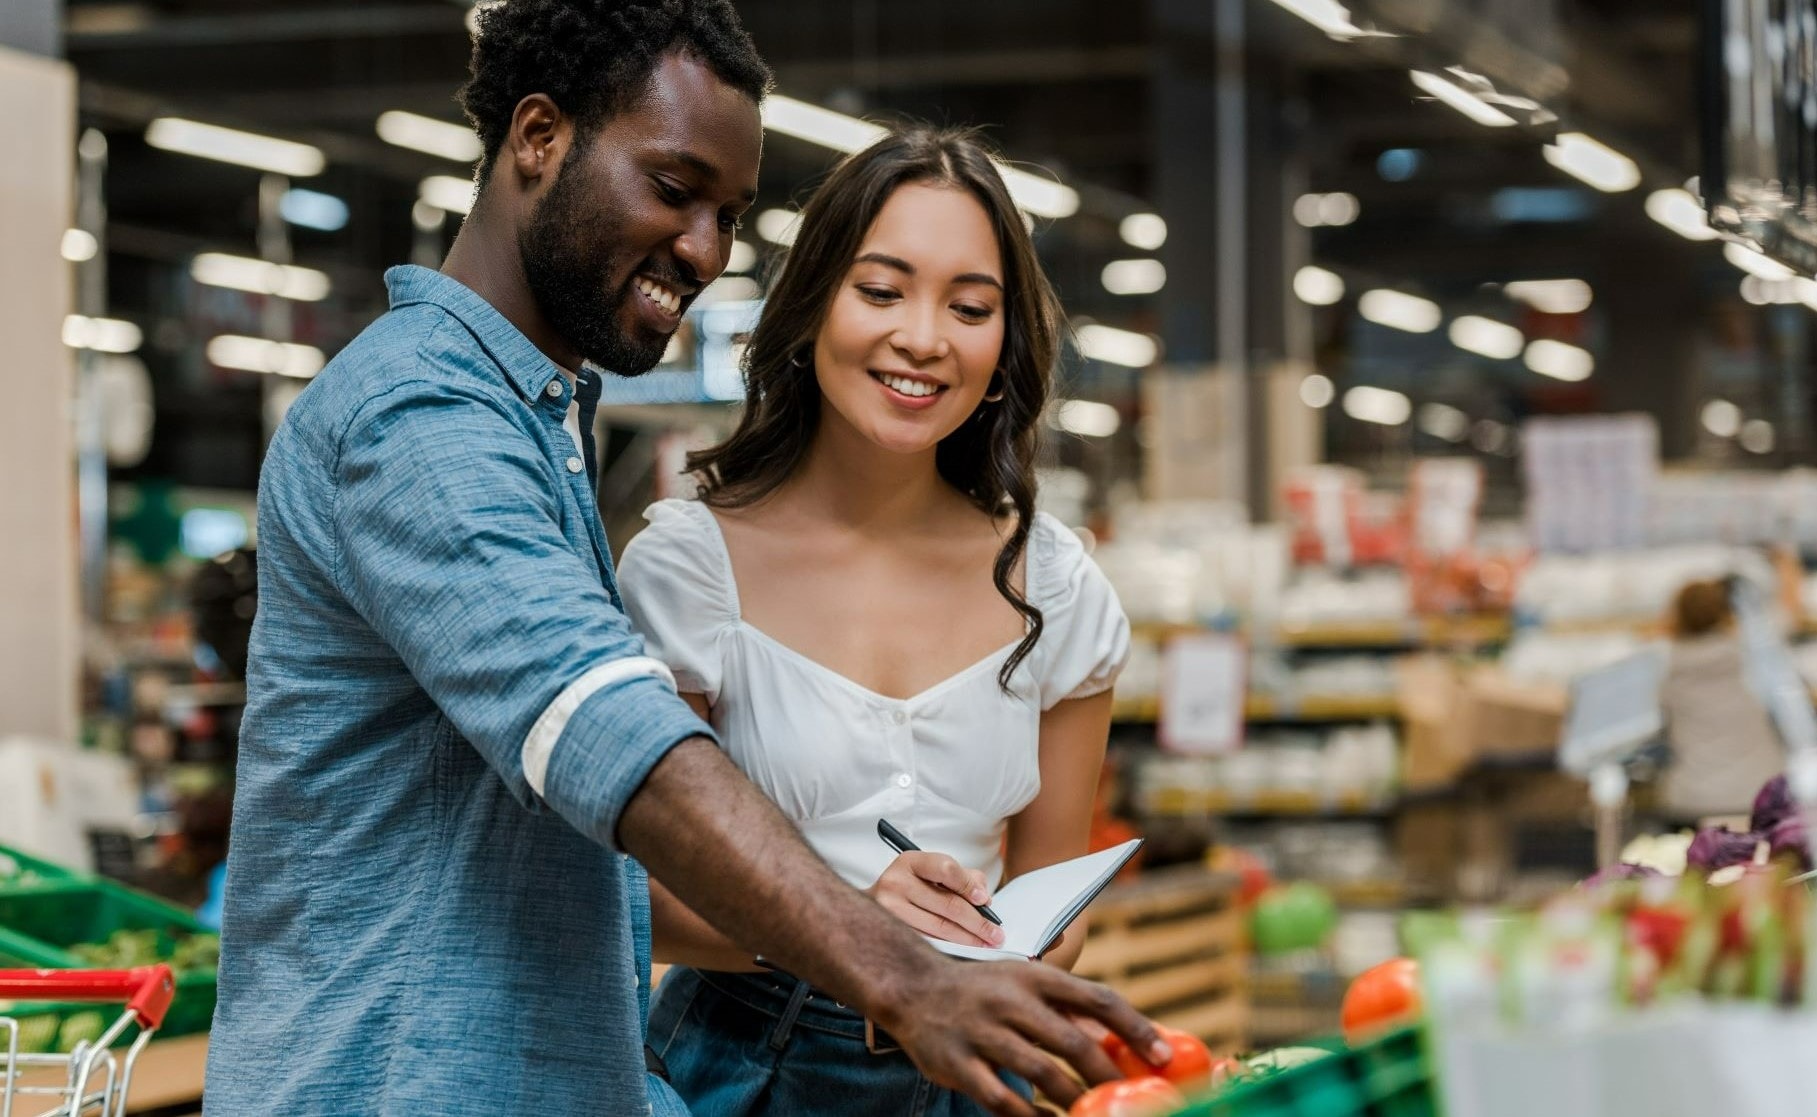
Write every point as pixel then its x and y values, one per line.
pixel 574 465
pixel 555 389
pixel 903 779
pixel 900 717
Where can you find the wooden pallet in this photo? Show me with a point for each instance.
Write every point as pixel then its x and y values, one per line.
pixel 1173 944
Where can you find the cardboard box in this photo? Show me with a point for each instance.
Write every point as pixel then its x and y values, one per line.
pixel 1506 718
pixel 1431 694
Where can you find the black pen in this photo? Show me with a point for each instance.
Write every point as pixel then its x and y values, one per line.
pixel 899 842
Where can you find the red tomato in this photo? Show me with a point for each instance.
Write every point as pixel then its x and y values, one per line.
pixel 1379 998
pixel 1191 1065
pixel 1134 1097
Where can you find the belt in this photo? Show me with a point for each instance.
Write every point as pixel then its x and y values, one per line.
pixel 795 994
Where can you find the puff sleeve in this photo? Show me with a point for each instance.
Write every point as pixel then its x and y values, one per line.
pixel 677 590
pixel 1085 640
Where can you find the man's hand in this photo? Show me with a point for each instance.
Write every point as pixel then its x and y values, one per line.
pixel 965 1019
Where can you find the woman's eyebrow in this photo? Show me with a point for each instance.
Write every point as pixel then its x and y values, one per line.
pixel 907 268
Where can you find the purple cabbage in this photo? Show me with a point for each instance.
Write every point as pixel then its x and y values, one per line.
pixel 1719 847
pixel 1772 805
pixel 1788 836
pixel 1621 870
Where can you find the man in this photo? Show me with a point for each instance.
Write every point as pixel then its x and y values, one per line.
pixel 451 731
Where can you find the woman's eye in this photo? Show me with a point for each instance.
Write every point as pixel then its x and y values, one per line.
pixel 877 294
pixel 973 313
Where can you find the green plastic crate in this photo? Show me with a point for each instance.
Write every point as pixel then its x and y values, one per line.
pixel 38 925
pixel 45 872
pixel 1389 1077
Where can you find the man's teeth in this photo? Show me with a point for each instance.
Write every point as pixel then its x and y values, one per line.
pixel 660 295
pixel 909 387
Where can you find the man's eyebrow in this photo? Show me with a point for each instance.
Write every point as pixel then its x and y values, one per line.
pixel 907 268
pixel 705 168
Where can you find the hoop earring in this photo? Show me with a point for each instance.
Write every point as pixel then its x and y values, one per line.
pixel 800 360
pixel 997 396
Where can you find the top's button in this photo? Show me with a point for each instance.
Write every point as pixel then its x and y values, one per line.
pixel 574 465
pixel 899 716
pixel 555 388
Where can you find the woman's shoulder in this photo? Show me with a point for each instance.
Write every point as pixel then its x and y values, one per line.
pixel 1058 564
pixel 677 555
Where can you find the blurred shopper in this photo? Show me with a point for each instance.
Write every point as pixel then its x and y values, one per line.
pixel 1723 744
pixel 870 612
pixel 451 728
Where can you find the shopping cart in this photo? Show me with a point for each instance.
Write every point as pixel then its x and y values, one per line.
pixel 91 1078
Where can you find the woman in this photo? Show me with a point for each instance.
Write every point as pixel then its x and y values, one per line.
pixel 869 611
pixel 1722 740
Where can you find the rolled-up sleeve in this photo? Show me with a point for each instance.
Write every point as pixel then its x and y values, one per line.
pixel 448 522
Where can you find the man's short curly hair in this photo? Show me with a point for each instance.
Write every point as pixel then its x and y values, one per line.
pixel 594 58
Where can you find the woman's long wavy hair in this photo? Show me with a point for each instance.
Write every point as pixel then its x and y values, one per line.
pixel 991 457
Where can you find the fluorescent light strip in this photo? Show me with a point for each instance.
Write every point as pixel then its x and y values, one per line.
pixel 1087 418
pixel 1679 211
pixel 1496 340
pixel 1400 311
pixel 1317 287
pixel 1134 277
pixel 258 354
pixel 312 209
pixel 1551 296
pixel 1147 231
pixel 79 245
pixel 1328 16
pixel 243 273
pixel 1559 360
pixel 1377 405
pixel 1441 420
pixel 1592 162
pixel 1117 347
pixel 1317 391
pixel 103 335
pixel 779 226
pixel 455 142
pixel 229 145
pixel 742 259
pixel 1755 263
pixel 1462 100
pixel 446 192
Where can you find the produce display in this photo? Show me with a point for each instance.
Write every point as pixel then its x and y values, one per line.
pixel 1382 998
pixel 126 949
pixel 1296 916
pixel 14 873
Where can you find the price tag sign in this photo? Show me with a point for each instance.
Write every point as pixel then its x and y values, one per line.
pixel 1204 681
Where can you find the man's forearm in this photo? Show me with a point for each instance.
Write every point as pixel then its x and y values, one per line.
pixel 723 849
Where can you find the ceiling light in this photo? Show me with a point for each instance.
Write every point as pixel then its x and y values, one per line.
pixel 242 273
pixel 1134 277
pixel 103 335
pixel 1042 197
pixel 1551 296
pixel 427 217
pixel 1679 211
pixel 1461 99
pixel 1377 405
pixel 1496 340
pixel 1398 164
pixel 1147 231
pixel 258 354
pixel 1492 437
pixel 229 145
pixel 1755 263
pixel 1399 310
pixel 1590 161
pixel 79 245
pixel 779 226
pixel 312 209
pixel 1559 360
pixel 1441 420
pixel 1317 391
pixel 1117 347
pixel 1087 418
pixel 1756 291
pixel 1316 286
pixel 819 126
pixel 448 193
pixel 1339 208
pixel 1805 291
pixel 1306 210
pixel 1757 436
pixel 742 259
pixel 456 142
pixel 1328 16
pixel 1721 418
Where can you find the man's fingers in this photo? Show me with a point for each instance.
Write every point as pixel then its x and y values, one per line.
pixel 1085 998
pixel 1062 1037
pixel 1047 1076
pixel 981 1082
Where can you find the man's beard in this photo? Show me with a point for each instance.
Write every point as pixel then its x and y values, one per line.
pixel 567 252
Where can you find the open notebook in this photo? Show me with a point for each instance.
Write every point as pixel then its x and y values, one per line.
pixel 1036 908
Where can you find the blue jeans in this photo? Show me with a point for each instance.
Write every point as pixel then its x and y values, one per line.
pixel 753 1045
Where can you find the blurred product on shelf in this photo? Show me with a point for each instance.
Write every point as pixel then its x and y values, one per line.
pixel 1348 768
pixel 1588 480
pixel 57 801
pixel 1631 588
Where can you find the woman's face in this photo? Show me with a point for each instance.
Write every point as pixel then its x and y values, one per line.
pixel 915 331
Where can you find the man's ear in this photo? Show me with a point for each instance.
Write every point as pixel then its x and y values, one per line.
pixel 539 139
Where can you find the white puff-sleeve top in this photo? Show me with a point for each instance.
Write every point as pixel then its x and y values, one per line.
pixel 949 765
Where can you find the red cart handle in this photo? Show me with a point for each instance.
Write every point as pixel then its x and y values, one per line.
pixel 147 990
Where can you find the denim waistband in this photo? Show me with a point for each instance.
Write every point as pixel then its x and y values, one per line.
pixel 773 993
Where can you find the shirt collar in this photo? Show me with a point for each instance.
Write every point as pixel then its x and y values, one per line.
pixel 528 368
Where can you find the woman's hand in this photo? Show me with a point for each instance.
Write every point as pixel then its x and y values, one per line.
pixel 934 894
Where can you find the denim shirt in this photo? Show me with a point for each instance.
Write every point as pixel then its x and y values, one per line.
pixel 446 713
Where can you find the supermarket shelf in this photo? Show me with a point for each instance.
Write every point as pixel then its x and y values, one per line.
pixel 1267 707
pixel 1184 803
pixel 1405 632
